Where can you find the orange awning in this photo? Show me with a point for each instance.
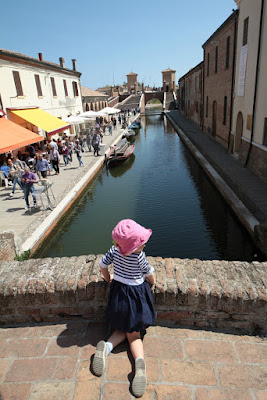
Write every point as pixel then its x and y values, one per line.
pixel 14 136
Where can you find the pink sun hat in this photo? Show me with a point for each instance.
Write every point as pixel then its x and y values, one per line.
pixel 129 235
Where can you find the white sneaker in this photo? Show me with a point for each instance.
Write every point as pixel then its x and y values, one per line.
pixel 35 205
pixel 27 208
pixel 11 195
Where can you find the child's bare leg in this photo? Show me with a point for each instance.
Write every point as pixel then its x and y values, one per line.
pixel 137 350
pixel 117 337
pixel 103 349
pixel 136 344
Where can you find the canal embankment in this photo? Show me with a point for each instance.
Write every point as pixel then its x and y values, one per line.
pixel 244 191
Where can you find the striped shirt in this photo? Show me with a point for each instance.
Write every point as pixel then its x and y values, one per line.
pixel 129 269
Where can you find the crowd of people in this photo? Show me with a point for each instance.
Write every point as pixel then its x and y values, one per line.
pixel 41 158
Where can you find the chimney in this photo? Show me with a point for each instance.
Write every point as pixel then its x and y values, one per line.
pixel 40 56
pixel 62 62
pixel 74 64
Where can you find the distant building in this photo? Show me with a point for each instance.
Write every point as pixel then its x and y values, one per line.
pixel 93 100
pixel 190 94
pixel 168 80
pixel 219 54
pixel 27 82
pixel 249 128
pixel 132 83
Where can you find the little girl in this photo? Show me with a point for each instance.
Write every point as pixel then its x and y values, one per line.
pixel 130 307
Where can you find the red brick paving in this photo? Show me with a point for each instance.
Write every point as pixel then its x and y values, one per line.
pixel 53 362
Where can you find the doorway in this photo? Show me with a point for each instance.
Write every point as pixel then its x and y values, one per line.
pixel 238 132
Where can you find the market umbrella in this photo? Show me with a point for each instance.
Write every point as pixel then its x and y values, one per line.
pixel 110 110
pixel 74 120
pixel 89 114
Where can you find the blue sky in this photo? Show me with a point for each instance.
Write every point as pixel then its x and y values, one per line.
pixel 109 38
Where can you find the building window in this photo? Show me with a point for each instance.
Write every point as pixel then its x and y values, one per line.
pixel 188 105
pixel 224 110
pixel 227 53
pixel 265 133
pixel 196 106
pixel 208 65
pixel 75 89
pixel 53 87
pixel 207 106
pixel 17 83
pixel 38 85
pixel 65 87
pixel 216 60
pixel 245 32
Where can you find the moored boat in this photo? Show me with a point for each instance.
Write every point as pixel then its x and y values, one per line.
pixel 119 153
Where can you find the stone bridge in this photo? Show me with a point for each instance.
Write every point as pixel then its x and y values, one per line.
pixel 153 95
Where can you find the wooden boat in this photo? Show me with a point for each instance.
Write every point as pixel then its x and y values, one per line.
pixel 119 153
pixel 129 133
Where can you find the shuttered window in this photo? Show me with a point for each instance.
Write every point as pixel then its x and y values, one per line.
pixel 75 89
pixel 17 83
pixel 53 87
pixel 227 53
pixel 216 60
pixel 207 106
pixel 208 65
pixel 245 32
pixel 224 110
pixel 38 85
pixel 65 87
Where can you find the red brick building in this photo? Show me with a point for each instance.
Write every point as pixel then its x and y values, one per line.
pixel 218 80
pixel 190 94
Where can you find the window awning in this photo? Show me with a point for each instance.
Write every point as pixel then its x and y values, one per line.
pixel 42 119
pixel 14 136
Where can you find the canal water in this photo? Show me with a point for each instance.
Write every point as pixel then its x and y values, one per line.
pixel 163 188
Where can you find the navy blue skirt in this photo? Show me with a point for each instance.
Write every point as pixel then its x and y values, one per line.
pixel 130 308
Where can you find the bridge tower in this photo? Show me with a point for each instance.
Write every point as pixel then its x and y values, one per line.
pixel 132 82
pixel 168 80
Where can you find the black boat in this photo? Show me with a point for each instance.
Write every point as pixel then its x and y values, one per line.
pixel 119 153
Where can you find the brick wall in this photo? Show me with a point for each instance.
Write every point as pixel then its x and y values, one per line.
pixel 257 159
pixel 217 294
pixel 7 246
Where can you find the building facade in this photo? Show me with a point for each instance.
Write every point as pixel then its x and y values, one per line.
pixel 218 80
pixel 93 100
pixel 249 128
pixel 30 82
pixel 191 94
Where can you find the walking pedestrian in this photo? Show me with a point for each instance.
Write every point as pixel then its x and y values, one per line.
pixel 65 152
pixel 54 158
pixel 130 307
pixel 96 143
pixel 28 178
pixel 15 174
pixel 42 166
pixel 78 150
pixel 110 128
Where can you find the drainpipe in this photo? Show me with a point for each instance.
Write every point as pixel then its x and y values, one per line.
pixel 233 81
pixel 256 84
pixel 203 86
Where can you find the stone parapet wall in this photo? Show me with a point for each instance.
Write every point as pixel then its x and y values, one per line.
pixel 212 294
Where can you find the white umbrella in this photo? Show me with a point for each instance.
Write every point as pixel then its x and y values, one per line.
pixel 74 120
pixel 110 110
pixel 89 114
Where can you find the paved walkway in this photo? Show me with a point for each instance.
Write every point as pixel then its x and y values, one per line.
pixel 46 362
pixel 251 190
pixel 12 210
